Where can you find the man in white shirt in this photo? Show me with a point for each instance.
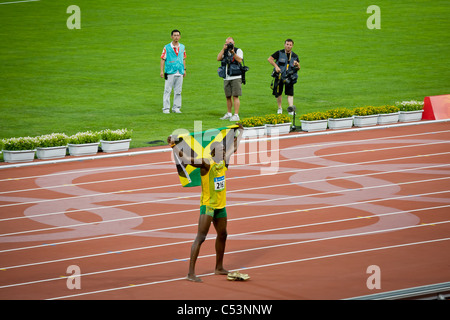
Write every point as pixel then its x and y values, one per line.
pixel 231 57
pixel 173 69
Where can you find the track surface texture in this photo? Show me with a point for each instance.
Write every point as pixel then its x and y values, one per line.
pixel 307 216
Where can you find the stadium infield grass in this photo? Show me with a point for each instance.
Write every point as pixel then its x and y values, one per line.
pixel 106 74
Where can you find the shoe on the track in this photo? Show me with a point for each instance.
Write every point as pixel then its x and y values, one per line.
pixel 237 276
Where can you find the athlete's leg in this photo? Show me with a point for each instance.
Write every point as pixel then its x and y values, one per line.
pixel 220 224
pixel 204 223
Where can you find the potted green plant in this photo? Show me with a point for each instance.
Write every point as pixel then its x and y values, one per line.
pixel 253 127
pixel 277 124
pixel 314 121
pixel 115 140
pixel 84 143
pixel 410 110
pixel 340 118
pixel 365 116
pixel 388 114
pixel 52 146
pixel 20 149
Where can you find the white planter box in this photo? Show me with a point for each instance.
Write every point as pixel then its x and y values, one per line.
pixel 13 156
pixel 83 149
pixel 409 116
pixel 365 121
pixel 316 125
pixel 51 152
pixel 386 118
pixel 115 146
pixel 340 123
pixel 251 132
pixel 277 129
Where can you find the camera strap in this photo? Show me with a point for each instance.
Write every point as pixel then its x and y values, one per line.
pixel 288 61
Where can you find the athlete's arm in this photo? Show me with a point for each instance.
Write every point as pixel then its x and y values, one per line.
pixel 237 141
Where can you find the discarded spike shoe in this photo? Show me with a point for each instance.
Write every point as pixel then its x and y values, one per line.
pixel 237 276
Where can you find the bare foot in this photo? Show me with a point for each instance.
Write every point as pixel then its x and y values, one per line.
pixel 221 271
pixel 193 278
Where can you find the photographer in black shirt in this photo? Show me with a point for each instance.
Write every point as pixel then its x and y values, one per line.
pixel 286 64
pixel 231 58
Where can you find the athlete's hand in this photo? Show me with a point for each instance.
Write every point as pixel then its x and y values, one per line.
pixel 170 141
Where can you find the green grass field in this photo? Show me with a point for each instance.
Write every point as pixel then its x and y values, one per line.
pixel 106 75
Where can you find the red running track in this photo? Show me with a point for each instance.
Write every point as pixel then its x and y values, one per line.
pixel 306 220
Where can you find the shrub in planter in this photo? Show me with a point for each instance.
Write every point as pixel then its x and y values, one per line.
pixel 412 105
pixel 21 143
pixel 277 124
pixel 115 140
pixel 365 116
pixel 313 116
pixel 388 114
pixel 52 140
pixel 365 111
pixel 20 149
pixel 253 127
pixel 52 146
pixel 410 110
pixel 84 137
pixel 252 122
pixel 84 143
pixel 314 121
pixel 339 113
pixel 276 119
pixel 113 135
pixel 387 109
pixel 340 118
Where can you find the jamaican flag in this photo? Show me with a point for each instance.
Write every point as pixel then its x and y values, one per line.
pixel 198 145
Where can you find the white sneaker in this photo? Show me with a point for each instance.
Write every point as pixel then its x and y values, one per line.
pixel 176 110
pixel 166 111
pixel 235 117
pixel 226 116
pixel 280 111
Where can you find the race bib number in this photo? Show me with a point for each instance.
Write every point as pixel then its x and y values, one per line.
pixel 219 183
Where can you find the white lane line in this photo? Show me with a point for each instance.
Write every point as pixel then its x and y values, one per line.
pixel 94 170
pixel 211 237
pixel 13 2
pixel 258 267
pixel 228 253
pixel 190 225
pixel 246 203
pixel 173 172
pixel 231 178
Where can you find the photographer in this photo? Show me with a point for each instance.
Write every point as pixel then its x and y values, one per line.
pixel 286 64
pixel 230 70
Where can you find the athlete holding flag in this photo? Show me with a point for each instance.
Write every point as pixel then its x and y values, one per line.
pixel 213 198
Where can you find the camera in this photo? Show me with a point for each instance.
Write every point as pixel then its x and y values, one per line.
pixel 244 69
pixel 291 76
pixel 230 46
